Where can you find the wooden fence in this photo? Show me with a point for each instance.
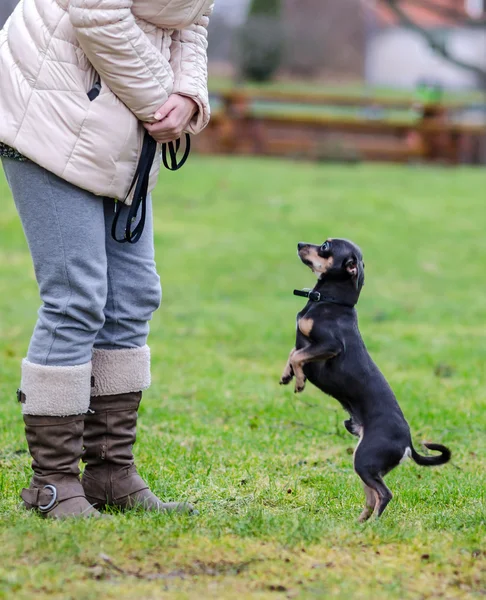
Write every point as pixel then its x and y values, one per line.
pixel 347 128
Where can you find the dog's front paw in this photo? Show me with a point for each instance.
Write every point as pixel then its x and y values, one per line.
pixel 299 386
pixel 287 375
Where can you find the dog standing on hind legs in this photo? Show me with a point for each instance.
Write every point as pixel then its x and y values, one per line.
pixel 330 353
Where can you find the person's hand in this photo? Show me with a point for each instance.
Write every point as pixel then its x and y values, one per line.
pixel 172 118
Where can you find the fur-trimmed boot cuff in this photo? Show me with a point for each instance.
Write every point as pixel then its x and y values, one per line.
pixel 120 371
pixel 54 391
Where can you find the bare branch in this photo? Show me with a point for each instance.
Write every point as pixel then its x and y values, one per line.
pixel 439 46
pixel 450 13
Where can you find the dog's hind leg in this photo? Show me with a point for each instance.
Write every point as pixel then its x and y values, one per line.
pixel 352 427
pixel 384 496
pixel 377 485
pixel 371 501
pixel 364 457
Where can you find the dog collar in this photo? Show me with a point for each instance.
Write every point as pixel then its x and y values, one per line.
pixel 318 297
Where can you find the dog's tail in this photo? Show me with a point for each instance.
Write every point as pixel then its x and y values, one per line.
pixel 430 461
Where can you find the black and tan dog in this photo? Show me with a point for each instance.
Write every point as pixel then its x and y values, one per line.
pixel 331 354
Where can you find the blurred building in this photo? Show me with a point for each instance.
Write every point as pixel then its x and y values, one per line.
pixel 231 11
pixel 398 56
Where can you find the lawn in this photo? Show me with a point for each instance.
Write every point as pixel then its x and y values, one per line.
pixel 271 472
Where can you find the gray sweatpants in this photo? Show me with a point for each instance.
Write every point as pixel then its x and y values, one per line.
pixel 95 292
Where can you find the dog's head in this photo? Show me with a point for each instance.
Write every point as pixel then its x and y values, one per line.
pixel 335 259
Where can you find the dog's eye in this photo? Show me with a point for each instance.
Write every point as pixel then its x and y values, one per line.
pixel 326 246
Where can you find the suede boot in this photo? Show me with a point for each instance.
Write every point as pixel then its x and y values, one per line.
pixel 111 477
pixel 56 445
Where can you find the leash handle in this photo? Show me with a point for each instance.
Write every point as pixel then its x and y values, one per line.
pixel 141 182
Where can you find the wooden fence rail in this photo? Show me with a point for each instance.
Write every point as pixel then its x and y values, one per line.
pixel 291 124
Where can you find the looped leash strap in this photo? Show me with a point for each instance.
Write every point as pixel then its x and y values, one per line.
pixel 141 182
pixel 174 165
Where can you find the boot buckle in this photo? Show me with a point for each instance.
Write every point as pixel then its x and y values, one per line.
pixel 47 507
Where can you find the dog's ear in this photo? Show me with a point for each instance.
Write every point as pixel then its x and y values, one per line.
pixel 352 267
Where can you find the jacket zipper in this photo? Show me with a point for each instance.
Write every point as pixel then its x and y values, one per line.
pixel 94 92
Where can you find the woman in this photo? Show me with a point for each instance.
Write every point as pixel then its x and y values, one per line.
pixel 68 154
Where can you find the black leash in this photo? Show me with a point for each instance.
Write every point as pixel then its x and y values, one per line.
pixel 318 297
pixel 141 182
pixel 141 178
pixel 174 165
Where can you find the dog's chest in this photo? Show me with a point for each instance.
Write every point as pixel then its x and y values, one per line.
pixel 303 330
pixel 308 322
pixel 305 326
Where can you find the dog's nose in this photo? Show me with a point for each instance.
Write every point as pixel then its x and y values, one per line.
pixel 301 245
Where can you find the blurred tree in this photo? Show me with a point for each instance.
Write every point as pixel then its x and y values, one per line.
pixel 325 37
pixel 265 7
pixel 261 41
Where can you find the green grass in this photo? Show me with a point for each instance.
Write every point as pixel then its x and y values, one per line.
pixel 271 473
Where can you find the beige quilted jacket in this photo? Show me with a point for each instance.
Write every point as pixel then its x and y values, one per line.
pixel 52 52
